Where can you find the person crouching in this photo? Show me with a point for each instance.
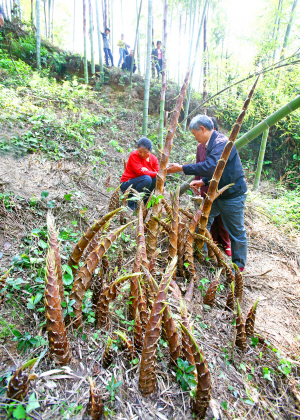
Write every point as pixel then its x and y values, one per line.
pixel 141 171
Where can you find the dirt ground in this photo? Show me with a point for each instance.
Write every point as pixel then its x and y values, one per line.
pixel 271 275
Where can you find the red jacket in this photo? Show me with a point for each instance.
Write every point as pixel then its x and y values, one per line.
pixel 136 163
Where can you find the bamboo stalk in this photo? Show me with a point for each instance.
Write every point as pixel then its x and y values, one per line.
pixel 163 78
pixel 86 76
pixel 161 176
pixel 187 105
pixel 38 34
pixel 135 42
pixel 268 122
pixel 288 29
pixel 92 37
pixel 148 68
pixel 99 41
pixel 260 159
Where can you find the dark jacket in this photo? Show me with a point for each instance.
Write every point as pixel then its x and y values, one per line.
pixel 154 55
pixel 233 171
pixel 127 63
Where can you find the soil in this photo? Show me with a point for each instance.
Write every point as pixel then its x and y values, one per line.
pixel 239 388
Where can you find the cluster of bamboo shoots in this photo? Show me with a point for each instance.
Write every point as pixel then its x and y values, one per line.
pixel 148 305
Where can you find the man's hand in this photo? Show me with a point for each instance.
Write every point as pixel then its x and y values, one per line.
pixel 197 184
pixel 173 168
pixel 1 20
pixel 144 169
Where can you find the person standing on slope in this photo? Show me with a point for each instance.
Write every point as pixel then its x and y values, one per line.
pixel 106 47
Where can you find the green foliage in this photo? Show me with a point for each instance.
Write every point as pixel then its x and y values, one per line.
pixel 184 374
pixel 112 387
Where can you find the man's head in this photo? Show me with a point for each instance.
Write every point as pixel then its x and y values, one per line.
pixel 107 31
pixel 158 45
pixel 122 36
pixel 131 53
pixel 144 147
pixel 201 127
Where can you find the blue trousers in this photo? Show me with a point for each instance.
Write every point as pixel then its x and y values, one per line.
pixel 122 53
pixel 108 54
pixel 143 183
pixel 232 213
pixel 159 67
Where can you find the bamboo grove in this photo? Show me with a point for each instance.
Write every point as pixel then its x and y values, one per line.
pixel 153 278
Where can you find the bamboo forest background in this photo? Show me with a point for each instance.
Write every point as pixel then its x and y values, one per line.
pixel 223 41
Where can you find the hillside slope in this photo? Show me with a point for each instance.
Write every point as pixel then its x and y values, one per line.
pixel 60 144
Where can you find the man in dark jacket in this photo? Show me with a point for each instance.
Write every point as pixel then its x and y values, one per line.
pixel 1 17
pixel 230 205
pixel 127 62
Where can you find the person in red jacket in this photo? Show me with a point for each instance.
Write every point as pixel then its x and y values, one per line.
pixel 140 172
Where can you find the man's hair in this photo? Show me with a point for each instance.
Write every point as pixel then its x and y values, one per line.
pixel 201 120
pixel 158 42
pixel 107 29
pixel 146 143
pixel 216 127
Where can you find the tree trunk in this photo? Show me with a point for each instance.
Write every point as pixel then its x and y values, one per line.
pixel 104 11
pixel 99 41
pixel 179 50
pixel 205 63
pixel 112 26
pixel 260 159
pixel 45 14
pixel 138 46
pixel 276 28
pixel 52 32
pixel 38 34
pixel 49 19
pixel 163 77
pixel 288 30
pixel 186 111
pixel 74 24
pixel 148 68
pixel 135 42
pixel 32 13
pixel 153 46
pixel 268 122
pixel 92 37
pixel 86 75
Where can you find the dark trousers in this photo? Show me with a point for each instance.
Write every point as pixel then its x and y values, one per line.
pixel 159 67
pixel 232 213
pixel 108 53
pixel 125 67
pixel 142 184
